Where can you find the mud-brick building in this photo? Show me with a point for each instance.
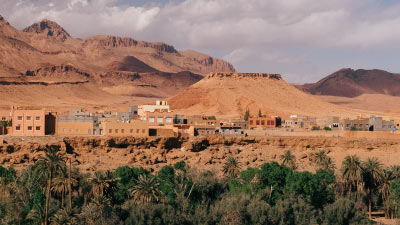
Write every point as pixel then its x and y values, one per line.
pixel 264 122
pixel 76 126
pixel 134 128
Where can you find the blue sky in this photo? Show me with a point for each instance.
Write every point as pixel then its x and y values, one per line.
pixel 304 40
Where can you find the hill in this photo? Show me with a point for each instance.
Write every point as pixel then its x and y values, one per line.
pixel 230 94
pixel 352 83
pixel 45 58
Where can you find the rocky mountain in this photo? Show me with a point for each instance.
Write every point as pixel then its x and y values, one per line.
pixel 353 83
pixel 230 94
pixel 45 54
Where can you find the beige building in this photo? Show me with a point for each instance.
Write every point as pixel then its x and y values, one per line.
pixel 160 106
pixel 135 128
pixel 75 127
pixel 28 122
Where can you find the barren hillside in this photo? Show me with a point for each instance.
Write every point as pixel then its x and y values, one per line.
pixel 44 65
pixel 230 94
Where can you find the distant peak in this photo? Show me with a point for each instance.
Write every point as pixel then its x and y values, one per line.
pixel 49 28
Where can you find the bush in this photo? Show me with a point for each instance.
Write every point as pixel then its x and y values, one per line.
pixel 315 128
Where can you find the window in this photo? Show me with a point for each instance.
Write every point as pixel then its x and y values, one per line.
pixel 37 118
pixel 251 122
pixel 64 130
pixel 143 131
pixel 263 122
pixel 160 119
pixel 77 130
pixel 116 131
pixel 37 127
pixel 3 118
pixel 110 131
pixel 18 127
pixel 169 120
pixel 151 119
pixel 89 131
pixel 70 130
pixel 30 128
pixel 131 131
pixel 29 118
pixel 122 131
pixel 137 131
pixel 19 117
pixel 257 122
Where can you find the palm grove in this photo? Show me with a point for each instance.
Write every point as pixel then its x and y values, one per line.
pixel 51 191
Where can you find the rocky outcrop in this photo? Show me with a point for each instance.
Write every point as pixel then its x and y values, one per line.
pixel 100 153
pixel 244 75
pixel 114 41
pixel 54 71
pixel 48 28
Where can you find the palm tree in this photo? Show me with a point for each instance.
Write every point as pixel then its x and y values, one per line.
pixel 352 173
pixel 103 184
pixel 384 188
pixel 146 189
pixel 231 167
pixel 65 216
pixel 372 177
pixel 322 160
pixel 61 186
pixel 288 159
pixel 48 167
pixel 38 214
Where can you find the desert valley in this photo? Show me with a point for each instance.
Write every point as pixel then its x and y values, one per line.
pixel 145 110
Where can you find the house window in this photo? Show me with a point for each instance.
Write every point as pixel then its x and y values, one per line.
pixel 89 131
pixel 116 131
pixel 37 127
pixel 18 127
pixel 251 122
pixel 131 131
pixel 159 119
pixel 30 127
pixel 122 131
pixel 37 118
pixel 70 130
pixel 263 122
pixel 3 118
pixel 110 131
pixel 19 117
pixel 77 130
pixel 143 131
pixel 29 118
pixel 257 122
pixel 137 131
pixel 169 120
pixel 151 119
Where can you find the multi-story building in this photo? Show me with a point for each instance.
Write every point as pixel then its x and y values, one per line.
pixel 160 106
pixel 28 122
pixel 299 122
pixel 333 122
pixel 76 126
pixel 159 118
pixel 379 124
pixel 264 122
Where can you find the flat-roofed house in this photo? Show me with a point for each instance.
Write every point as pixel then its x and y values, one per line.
pixel 134 128
pixel 264 122
pixel 75 126
pixel 28 122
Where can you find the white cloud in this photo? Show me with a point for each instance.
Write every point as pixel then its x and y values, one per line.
pixel 237 30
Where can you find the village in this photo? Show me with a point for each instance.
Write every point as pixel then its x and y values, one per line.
pixel 160 121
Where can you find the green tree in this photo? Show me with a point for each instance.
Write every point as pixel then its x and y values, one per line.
pixel 352 173
pixel 49 166
pixel 146 189
pixel 372 178
pixel 231 167
pixel 103 184
pixel 322 161
pixel 384 189
pixel 247 115
pixel 288 159
pixel 259 113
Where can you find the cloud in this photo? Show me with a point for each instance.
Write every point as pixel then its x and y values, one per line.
pixel 244 32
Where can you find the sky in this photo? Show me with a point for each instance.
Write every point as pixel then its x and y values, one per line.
pixel 304 40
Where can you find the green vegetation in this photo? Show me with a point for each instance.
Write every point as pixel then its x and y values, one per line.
pixel 50 192
pixel 327 128
pixel 247 115
pixel 315 128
